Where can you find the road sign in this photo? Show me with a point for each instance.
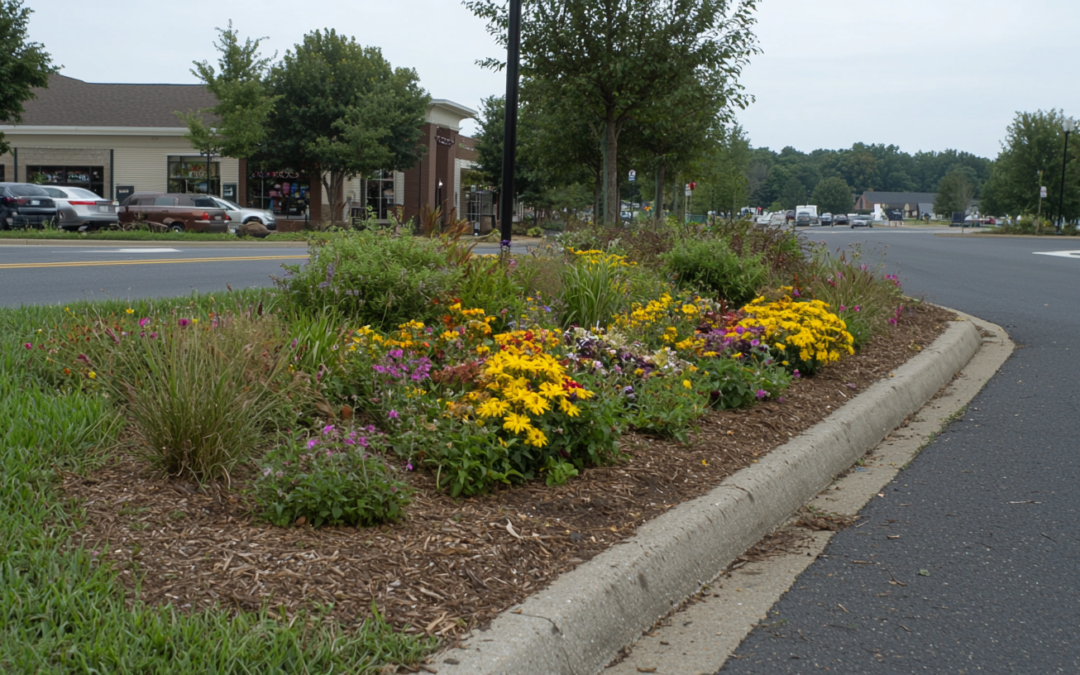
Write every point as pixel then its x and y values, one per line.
pixel 633 175
pixel 1042 192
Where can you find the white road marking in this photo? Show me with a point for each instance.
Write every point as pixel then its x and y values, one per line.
pixel 1060 254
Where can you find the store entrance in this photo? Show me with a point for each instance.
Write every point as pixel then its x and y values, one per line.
pixel 285 193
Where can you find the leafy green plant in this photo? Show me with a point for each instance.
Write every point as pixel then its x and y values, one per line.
pixel 534 232
pixel 372 278
pixel 330 479
pixel 733 383
pixel 494 285
pixel 713 267
pixel 594 289
pixel 665 406
pixel 470 460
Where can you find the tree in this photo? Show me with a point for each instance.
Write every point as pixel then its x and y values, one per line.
pixel 614 57
pixel 243 103
pixel 833 195
pixel 726 185
pixel 343 112
pixel 1034 142
pixel 954 194
pixel 23 65
pixel 794 193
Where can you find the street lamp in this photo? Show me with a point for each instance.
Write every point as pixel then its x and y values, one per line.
pixel 209 149
pixel 513 58
pixel 1067 126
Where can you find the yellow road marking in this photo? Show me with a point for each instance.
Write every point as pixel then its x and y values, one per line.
pixel 106 263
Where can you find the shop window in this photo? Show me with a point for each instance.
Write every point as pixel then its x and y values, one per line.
pixel 187 175
pixel 380 195
pixel 87 177
pixel 283 192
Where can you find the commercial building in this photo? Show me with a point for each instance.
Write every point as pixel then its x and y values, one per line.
pixel 115 139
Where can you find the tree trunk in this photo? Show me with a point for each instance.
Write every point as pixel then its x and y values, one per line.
pixel 658 201
pixel 611 171
pixel 597 191
pixel 333 188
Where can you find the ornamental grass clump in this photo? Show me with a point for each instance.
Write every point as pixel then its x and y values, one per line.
pixel 594 289
pixel 330 478
pixel 201 396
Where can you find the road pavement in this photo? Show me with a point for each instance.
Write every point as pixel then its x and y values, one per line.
pixel 969 561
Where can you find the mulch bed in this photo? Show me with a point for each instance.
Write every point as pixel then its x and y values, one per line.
pixel 451 565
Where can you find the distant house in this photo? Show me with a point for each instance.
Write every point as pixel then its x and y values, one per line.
pixel 913 204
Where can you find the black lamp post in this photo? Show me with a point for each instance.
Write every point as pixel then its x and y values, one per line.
pixel 1067 126
pixel 513 57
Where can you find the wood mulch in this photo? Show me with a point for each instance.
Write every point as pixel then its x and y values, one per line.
pixel 451 565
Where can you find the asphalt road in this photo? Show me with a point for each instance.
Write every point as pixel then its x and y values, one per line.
pixel 981 575
pixel 41 275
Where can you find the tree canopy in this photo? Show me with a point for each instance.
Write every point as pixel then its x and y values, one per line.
pixel 1034 143
pixel 832 195
pixel 343 112
pixel 954 194
pixel 24 65
pixel 613 58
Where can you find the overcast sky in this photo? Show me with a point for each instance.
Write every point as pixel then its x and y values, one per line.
pixel 920 74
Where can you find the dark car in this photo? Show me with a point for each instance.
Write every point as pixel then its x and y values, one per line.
pixel 840 219
pixel 790 215
pixel 25 204
pixel 802 220
pixel 178 212
pixel 826 219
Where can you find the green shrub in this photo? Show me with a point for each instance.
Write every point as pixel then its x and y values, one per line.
pixel 373 278
pixel 332 479
pixel 711 266
pixel 534 232
pixel 739 383
pixel 665 406
pixel 494 285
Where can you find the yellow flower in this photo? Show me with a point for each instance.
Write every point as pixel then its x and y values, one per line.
pixel 92 375
pixel 536 438
pixel 686 383
pixel 492 407
pixel 129 310
pixel 516 423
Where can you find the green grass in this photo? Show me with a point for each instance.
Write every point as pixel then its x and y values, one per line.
pixel 63 611
pixel 146 236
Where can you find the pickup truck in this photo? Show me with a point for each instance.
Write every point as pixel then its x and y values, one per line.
pixel 175 211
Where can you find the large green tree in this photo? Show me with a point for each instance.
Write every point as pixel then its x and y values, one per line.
pixel 244 103
pixel 793 194
pixel 615 57
pixel 832 195
pixel 726 186
pixel 954 194
pixel 343 112
pixel 24 65
pixel 1034 143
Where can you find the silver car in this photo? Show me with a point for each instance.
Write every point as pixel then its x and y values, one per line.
pixel 80 209
pixel 239 215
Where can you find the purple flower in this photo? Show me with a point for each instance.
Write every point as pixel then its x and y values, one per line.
pixel 329 428
pixel 183 323
pixel 312 443
pixel 408 466
pixel 857 308
pixel 796 373
pixel 143 322
pixel 739 330
pixel 843 308
pixel 761 393
pixel 153 336
pixel 393 414
pixel 28 345
pixel 795 292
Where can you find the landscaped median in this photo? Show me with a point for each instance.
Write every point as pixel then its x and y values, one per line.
pixel 402 439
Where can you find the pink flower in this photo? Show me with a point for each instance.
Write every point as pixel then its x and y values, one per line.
pixel 761 393
pixel 796 373
pixel 183 323
pixel 144 322
pixel 328 429
pixel 393 414
pixel 312 443
pixel 28 345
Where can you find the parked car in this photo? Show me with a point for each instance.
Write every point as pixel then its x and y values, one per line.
pixel 80 209
pixel 790 215
pixel 175 211
pixel 825 219
pixel 803 219
pixel 862 221
pixel 25 204
pixel 239 215
pixel 840 219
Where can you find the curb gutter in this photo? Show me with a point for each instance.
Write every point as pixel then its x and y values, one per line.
pixel 120 243
pixel 579 623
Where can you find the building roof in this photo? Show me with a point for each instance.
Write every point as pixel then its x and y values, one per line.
pixel 68 102
pixel 898 198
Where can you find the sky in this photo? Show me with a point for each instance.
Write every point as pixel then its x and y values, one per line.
pixel 918 74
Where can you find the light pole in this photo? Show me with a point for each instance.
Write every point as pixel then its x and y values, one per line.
pixel 1067 126
pixel 209 150
pixel 513 57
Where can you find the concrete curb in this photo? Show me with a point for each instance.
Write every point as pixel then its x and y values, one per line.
pixel 106 243
pixel 579 624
